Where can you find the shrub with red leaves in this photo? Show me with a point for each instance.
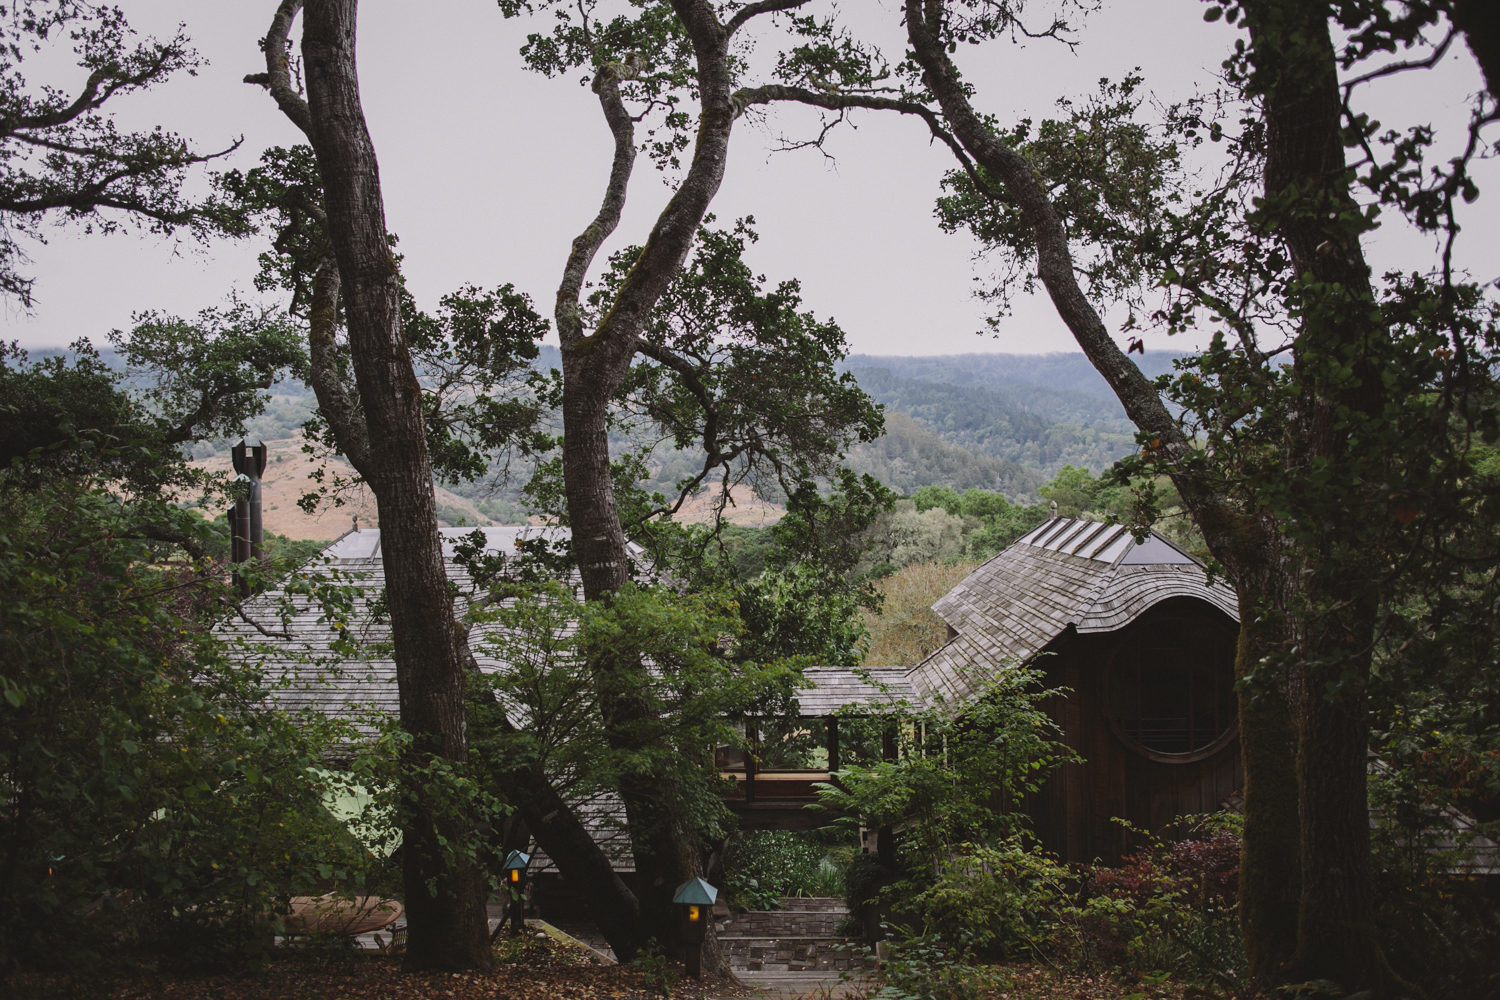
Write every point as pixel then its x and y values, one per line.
pixel 1200 872
pixel 1127 914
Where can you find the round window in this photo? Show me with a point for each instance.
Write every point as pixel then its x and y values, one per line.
pixel 1171 687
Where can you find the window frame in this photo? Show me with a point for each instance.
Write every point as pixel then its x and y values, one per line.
pixel 1124 638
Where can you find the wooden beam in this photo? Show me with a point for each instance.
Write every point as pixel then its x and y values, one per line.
pixel 886 842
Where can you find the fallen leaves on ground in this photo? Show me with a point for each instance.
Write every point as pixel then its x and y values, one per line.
pixel 1023 982
pixel 528 969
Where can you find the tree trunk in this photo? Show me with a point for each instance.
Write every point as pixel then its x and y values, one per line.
pixel 580 861
pixel 1479 20
pixel 1270 884
pixel 667 851
pixel 445 895
pixel 1294 55
pixel 553 821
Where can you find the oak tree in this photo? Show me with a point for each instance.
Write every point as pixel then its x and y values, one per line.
pixel 1324 408
pixel 62 157
pixel 381 427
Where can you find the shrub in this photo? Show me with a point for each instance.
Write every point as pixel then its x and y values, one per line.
pixel 150 795
pixel 1169 906
pixel 999 902
pixel 763 865
pixel 864 881
pixel 906 629
pixel 926 968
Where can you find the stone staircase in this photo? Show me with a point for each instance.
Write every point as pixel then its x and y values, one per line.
pixel 799 937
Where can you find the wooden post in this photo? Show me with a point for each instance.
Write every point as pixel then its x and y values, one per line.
pixel 833 744
pixel 752 742
pixel 886 842
pixel 695 919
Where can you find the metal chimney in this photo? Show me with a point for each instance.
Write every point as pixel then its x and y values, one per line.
pixel 246 532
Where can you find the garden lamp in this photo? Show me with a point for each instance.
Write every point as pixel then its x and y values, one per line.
pixel 696 897
pixel 515 878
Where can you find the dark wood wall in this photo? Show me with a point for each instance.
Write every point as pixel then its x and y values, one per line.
pixel 1073 813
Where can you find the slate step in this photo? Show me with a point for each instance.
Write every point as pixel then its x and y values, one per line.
pixel 800 925
pixel 799 937
pixel 812 904
pixel 797 918
pixel 792 954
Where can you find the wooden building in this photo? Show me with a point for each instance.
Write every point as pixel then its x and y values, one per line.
pixel 1133 629
pixel 1146 647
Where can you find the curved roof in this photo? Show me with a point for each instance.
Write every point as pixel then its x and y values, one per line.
pixel 1091 576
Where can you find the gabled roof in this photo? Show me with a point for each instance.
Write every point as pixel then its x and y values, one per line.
pixel 1082 574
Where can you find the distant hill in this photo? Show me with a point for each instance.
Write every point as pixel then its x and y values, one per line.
pixel 1068 372
pixel 1003 422
pixel 1035 427
pixel 908 457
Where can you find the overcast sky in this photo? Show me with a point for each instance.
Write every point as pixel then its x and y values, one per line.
pixel 489 171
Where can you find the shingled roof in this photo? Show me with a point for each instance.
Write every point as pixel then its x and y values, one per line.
pixel 1068 572
pixel 833 688
pixel 295 649
pixel 293 640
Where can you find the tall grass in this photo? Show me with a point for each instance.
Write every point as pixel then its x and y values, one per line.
pixel 907 629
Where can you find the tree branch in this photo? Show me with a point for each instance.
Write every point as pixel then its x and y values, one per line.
pixel 187 543
pixel 328 386
pixel 750 10
pixel 91 98
pixel 278 76
pixel 677 225
pixel 1401 67
pixel 833 101
pixel 1216 515
pixel 1054 257
pixel 130 160
pixel 586 244
pixel 690 377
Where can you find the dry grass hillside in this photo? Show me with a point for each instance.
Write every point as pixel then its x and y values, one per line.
pixel 747 510
pixel 286 479
pixel 907 629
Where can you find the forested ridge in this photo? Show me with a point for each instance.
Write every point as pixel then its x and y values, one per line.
pixel 999 422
